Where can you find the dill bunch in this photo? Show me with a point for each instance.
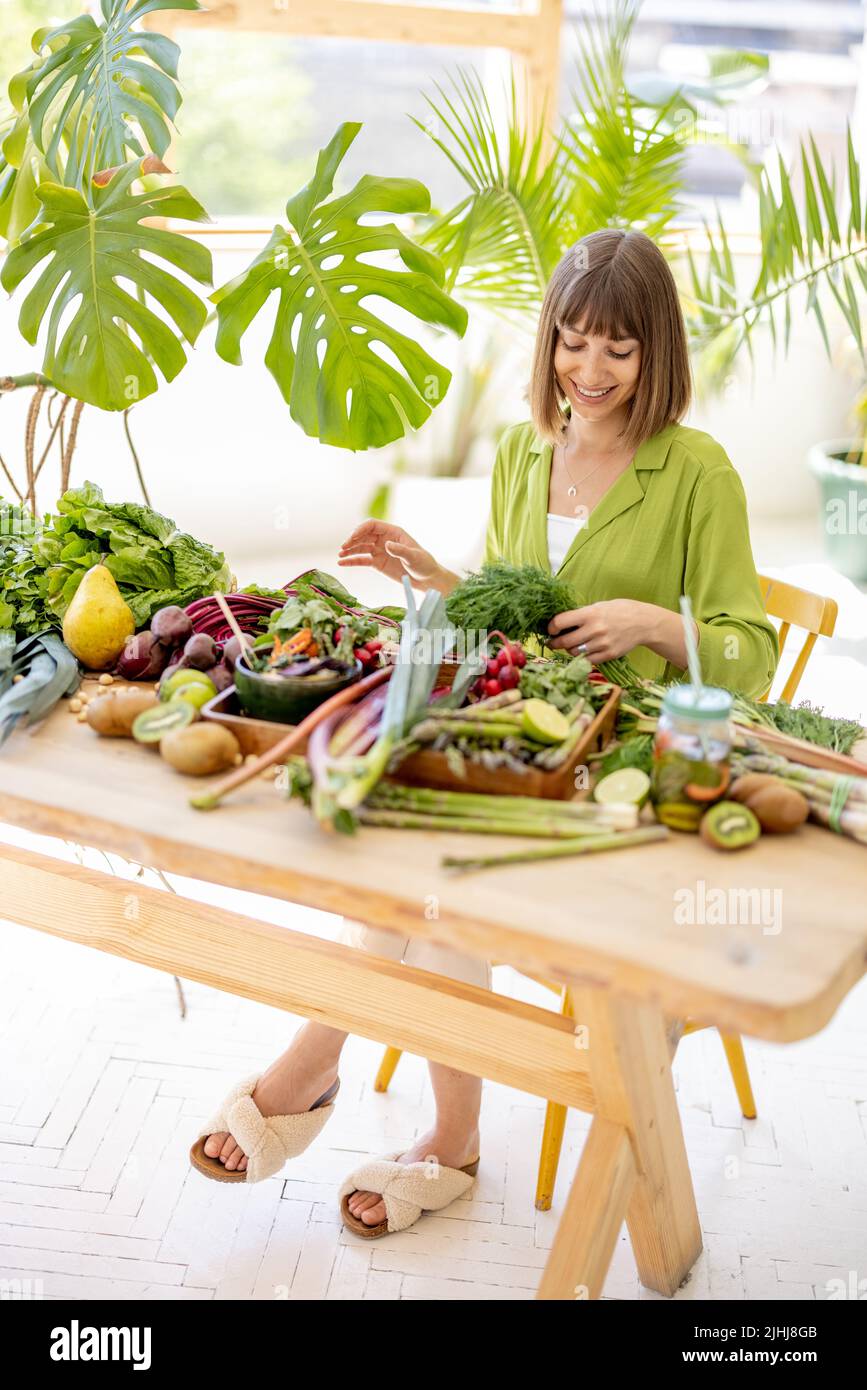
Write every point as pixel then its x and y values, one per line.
pixel 810 722
pixel 518 600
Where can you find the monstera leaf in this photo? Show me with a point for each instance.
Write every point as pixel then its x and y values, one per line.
pixel 21 166
pixel 100 81
pixel 94 245
pixel 323 351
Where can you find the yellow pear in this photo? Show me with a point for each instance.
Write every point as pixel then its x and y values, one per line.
pixel 97 622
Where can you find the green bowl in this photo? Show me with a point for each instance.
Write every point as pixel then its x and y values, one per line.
pixel 286 699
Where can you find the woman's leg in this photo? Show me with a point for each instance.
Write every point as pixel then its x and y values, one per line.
pixel 308 1067
pixel 299 1077
pixel 453 1139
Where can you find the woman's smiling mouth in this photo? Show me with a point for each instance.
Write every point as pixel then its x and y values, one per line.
pixel 591 396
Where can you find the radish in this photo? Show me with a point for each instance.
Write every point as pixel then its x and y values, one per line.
pixel 509 677
pixel 493 688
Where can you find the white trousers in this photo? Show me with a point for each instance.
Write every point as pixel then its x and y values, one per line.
pixel 415 950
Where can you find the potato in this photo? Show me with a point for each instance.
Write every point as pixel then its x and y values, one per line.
pixel 114 713
pixel 200 749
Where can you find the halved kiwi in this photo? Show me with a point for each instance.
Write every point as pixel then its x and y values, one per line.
pixel 728 825
pixel 152 724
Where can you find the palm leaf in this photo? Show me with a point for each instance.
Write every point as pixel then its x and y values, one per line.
pixel 93 246
pixel 626 163
pixel 500 242
pixel 818 248
pixel 324 351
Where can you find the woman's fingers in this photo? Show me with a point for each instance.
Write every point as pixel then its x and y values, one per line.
pixel 571 618
pixel 370 534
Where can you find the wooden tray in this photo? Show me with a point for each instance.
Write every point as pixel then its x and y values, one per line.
pixel 431 769
pixel 797 750
pixel 253 735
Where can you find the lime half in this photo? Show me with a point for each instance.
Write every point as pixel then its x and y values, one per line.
pixel 628 785
pixel 543 722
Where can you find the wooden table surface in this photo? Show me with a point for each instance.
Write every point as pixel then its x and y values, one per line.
pixel 607 919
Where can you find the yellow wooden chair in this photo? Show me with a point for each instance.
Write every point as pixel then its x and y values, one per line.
pixel 795 608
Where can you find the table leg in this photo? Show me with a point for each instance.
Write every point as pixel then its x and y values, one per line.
pixel 630 1071
pixel 585 1242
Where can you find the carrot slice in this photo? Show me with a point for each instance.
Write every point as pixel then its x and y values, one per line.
pixel 695 792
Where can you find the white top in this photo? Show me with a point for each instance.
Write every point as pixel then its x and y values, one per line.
pixel 562 530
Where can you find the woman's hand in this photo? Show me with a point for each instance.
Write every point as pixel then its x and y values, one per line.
pixel 392 551
pixel 603 631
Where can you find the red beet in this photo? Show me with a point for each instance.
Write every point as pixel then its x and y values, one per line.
pixel 221 676
pixel 171 626
pixel 143 658
pixel 200 652
pixel 231 652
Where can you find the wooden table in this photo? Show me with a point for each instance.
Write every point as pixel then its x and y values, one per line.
pixel 611 927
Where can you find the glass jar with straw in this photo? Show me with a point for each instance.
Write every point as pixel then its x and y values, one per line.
pixel 692 745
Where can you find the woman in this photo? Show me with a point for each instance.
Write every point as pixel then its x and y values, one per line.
pixel 631 509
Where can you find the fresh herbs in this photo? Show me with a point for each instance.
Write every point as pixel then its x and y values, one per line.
pixel 562 681
pixel 518 600
pixel 809 722
pixel 635 752
pixel 328 633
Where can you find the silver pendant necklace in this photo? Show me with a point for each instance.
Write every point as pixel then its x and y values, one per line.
pixel 573 490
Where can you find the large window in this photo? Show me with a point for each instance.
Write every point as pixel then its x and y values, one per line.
pixel 258 107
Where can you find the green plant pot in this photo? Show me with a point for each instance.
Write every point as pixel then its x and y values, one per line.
pixel 285 699
pixel 844 507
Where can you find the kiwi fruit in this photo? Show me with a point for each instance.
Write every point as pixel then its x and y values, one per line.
pixel 729 825
pixel 779 809
pixel 154 723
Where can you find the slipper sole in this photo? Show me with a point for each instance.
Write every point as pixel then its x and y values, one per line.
pixel 358 1227
pixel 217 1171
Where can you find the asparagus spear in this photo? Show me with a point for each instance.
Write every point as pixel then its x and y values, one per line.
pixel 645 835
pixel 551 827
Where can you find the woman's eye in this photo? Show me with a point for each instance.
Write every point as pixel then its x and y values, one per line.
pixel 576 347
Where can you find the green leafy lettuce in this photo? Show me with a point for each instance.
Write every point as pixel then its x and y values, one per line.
pixel 154 563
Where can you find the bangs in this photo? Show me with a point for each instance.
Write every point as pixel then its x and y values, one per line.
pixel 598 303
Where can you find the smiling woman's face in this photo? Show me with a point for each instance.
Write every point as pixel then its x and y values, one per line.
pixel 596 375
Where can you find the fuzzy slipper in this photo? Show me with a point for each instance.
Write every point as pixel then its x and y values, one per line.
pixel 268 1141
pixel 407 1190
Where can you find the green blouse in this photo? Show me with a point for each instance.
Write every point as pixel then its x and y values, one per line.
pixel 675 522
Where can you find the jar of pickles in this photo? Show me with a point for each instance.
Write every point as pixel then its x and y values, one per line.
pixel 691 754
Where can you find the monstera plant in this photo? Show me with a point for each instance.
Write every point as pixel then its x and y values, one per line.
pixel 118 297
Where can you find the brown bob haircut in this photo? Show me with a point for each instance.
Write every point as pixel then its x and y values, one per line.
pixel 615 284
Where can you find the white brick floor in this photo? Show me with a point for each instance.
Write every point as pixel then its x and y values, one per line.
pixel 102 1086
